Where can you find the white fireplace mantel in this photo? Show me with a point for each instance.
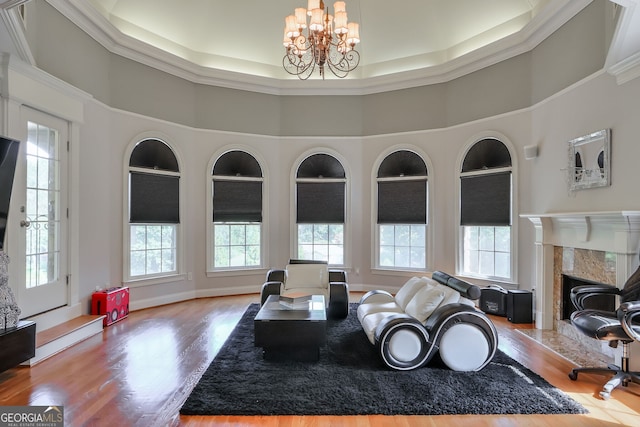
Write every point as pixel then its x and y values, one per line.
pixel 611 231
pixel 614 231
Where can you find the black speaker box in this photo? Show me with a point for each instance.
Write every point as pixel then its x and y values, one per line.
pixel 520 306
pixel 493 300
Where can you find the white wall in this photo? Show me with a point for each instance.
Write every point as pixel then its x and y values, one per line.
pixel 593 104
pixel 105 133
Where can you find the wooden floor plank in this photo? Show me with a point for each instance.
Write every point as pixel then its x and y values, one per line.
pixel 140 370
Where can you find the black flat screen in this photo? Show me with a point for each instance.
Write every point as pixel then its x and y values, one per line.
pixel 8 159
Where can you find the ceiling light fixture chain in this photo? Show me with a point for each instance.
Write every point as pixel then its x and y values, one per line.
pixel 329 41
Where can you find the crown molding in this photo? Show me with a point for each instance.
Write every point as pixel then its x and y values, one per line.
pixel 627 69
pixel 552 17
pixel 15 28
pixel 623 58
pixel 8 4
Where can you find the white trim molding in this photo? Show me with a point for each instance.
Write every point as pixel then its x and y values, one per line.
pixel 89 20
pixel 623 59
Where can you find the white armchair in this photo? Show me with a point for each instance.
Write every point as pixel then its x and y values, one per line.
pixel 301 277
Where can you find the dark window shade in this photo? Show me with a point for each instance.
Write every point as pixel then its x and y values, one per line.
pixel 486 154
pixel 402 163
pixel 320 165
pixel 320 203
pixel 237 201
pixel 237 163
pixel 402 202
pixel 154 198
pixel 153 154
pixel 486 199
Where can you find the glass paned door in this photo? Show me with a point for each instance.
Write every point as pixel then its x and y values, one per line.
pixel 42 204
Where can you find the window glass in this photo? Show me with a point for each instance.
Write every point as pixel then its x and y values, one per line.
pixel 153 249
pixel 487 251
pixel 402 246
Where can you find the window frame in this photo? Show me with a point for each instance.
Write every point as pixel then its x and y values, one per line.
pixel 459 229
pixel 346 242
pixel 213 271
pixel 375 227
pixel 156 278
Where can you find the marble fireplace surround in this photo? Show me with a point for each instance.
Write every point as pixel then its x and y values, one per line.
pixel 598 246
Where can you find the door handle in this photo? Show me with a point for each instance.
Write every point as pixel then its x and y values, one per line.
pixel 25 223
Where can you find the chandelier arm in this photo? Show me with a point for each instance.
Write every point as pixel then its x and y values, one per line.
pixel 346 62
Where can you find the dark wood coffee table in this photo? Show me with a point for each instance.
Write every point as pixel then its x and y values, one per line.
pixel 286 334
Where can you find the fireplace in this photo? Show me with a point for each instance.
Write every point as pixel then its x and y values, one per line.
pixel 601 247
pixel 600 302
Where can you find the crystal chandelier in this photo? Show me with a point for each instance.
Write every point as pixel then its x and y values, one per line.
pixel 329 40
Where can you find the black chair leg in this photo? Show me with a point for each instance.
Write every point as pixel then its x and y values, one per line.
pixel 620 377
pixel 611 369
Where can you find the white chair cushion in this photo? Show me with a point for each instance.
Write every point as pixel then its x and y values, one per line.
pixel 371 322
pixel 425 301
pixel 307 276
pixel 408 290
pixel 388 307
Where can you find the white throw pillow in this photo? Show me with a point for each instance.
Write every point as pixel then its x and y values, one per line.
pixel 425 302
pixel 408 290
pixel 450 295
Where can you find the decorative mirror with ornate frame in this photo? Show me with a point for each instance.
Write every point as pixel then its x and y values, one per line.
pixel 590 161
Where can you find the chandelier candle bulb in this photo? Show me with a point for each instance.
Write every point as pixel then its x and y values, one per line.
pixel 339 6
pixel 340 22
pixel 291 27
pixel 317 18
pixel 301 17
pixel 353 37
pixel 313 4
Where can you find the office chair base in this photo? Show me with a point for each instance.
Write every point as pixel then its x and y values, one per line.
pixel 620 377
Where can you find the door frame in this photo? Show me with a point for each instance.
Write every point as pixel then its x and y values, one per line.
pixel 42 92
pixel 17 238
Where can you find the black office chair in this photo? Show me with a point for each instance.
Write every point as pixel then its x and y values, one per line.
pixel 622 325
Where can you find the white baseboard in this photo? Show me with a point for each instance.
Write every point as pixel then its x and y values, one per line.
pixel 161 300
pixel 220 292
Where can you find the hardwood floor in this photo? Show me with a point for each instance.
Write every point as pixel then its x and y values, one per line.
pixel 139 372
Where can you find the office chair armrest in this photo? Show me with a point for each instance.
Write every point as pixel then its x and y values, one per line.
pixel 581 293
pixel 627 314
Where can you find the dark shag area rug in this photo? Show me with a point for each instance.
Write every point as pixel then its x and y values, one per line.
pixel 350 379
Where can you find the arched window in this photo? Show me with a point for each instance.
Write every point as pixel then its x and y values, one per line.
pixel 237 211
pixel 320 209
pixel 486 211
pixel 154 210
pixel 402 211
